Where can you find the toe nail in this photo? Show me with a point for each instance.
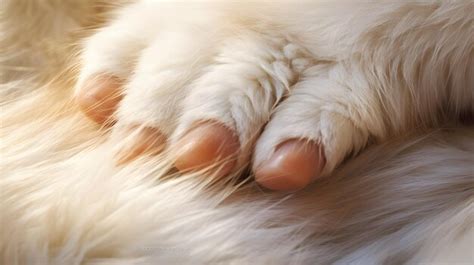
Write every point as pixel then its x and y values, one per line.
pixel 208 144
pixel 99 97
pixel 294 164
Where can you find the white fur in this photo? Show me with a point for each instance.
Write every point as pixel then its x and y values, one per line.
pixel 63 201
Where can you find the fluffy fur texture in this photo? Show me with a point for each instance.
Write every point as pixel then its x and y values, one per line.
pixel 406 200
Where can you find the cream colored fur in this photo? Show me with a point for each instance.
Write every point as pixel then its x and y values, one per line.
pixel 407 199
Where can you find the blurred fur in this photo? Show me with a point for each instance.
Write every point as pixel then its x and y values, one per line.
pixel 62 200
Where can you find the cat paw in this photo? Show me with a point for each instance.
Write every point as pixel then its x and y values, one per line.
pixel 221 101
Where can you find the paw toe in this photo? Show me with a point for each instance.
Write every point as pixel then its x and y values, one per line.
pixel 146 140
pixel 293 165
pixel 208 145
pixel 99 97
